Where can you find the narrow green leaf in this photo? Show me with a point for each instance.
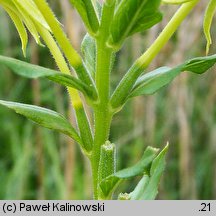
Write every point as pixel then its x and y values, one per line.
pixel 145 22
pixel 44 117
pixel 88 49
pixel 88 13
pixel 33 71
pixel 208 18
pixel 133 16
pixel 153 81
pixel 140 188
pixel 149 154
pixel 156 172
pixel 147 188
pixel 108 184
pixel 28 14
pixel 31 9
pixel 20 28
pixel 85 129
pixel 199 65
pixel 25 69
pixel 29 22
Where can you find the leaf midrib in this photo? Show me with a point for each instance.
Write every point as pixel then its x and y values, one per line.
pixel 133 20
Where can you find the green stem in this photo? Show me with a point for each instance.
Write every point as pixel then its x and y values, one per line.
pixel 72 56
pixel 123 89
pixel 166 34
pixel 82 119
pixel 102 113
pixel 102 129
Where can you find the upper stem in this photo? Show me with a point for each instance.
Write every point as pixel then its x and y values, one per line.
pixel 102 112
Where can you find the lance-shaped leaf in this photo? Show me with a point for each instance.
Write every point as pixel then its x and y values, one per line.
pixel 145 22
pixel 209 14
pixel 133 16
pixel 88 13
pixel 28 22
pixel 31 9
pixel 108 184
pixel 153 81
pixel 25 13
pixel 147 188
pixel 33 71
pixel 44 117
pixel 20 28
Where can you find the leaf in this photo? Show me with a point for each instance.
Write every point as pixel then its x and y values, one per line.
pixel 176 1
pixel 31 9
pixel 20 28
pixel 28 22
pixel 153 81
pixel 140 188
pixel 88 13
pixel 44 117
pixel 147 188
pixel 208 18
pixel 199 65
pixel 88 49
pixel 108 184
pixel 33 71
pixel 132 16
pixel 25 13
pixel 146 22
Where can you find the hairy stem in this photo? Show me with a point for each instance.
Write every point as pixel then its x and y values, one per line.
pixel 73 57
pixel 82 119
pixel 62 39
pixel 166 34
pixel 102 112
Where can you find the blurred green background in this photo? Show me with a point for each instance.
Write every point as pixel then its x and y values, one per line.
pixel 36 163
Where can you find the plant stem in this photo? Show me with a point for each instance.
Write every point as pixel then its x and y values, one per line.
pixel 64 42
pixel 82 119
pixel 72 56
pixel 102 113
pixel 61 63
pixel 166 34
pixel 123 89
pixel 102 128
